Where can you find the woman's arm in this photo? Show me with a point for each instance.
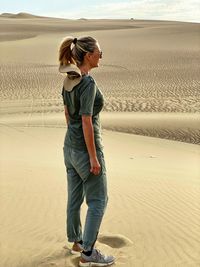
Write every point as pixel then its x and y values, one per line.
pixel 88 132
pixel 66 114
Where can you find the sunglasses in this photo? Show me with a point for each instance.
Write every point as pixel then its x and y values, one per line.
pixel 100 53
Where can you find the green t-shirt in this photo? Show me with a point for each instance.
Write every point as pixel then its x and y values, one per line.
pixel 84 99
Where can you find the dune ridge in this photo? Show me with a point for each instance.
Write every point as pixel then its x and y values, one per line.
pixel 23 23
pixel 20 15
pixel 174 126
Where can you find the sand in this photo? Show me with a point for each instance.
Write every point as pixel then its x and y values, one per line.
pixel 149 76
pixel 152 218
pixel 147 66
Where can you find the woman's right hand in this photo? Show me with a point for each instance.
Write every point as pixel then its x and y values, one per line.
pixel 95 167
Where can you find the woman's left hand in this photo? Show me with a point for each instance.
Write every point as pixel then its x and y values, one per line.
pixel 95 166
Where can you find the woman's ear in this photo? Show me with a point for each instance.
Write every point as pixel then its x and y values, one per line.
pixel 88 55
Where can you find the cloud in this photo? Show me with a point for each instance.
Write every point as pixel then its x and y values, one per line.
pixel 182 10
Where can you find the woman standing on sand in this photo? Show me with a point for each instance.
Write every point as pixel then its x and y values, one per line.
pixel 83 150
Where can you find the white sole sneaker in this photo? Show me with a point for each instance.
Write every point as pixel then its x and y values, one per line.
pixel 73 252
pixel 91 264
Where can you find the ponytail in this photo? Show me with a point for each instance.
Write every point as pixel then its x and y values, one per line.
pixel 65 52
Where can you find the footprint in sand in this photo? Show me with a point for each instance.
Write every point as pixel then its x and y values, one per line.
pixel 115 241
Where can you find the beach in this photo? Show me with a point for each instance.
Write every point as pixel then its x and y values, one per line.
pixel 149 76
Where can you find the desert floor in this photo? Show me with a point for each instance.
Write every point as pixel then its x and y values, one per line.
pixel 149 75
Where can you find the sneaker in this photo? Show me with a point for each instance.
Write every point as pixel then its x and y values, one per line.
pixel 96 259
pixel 76 249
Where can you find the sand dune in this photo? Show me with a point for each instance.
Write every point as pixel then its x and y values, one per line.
pixel 44 25
pixel 162 75
pixel 21 15
pixel 152 217
pixel 149 75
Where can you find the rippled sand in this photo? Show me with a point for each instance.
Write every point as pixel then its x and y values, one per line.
pixel 147 66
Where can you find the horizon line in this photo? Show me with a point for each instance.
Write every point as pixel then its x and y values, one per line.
pixel 85 18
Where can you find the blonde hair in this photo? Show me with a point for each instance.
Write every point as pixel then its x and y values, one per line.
pixel 75 54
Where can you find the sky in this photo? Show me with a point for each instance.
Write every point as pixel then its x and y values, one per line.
pixel 178 10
